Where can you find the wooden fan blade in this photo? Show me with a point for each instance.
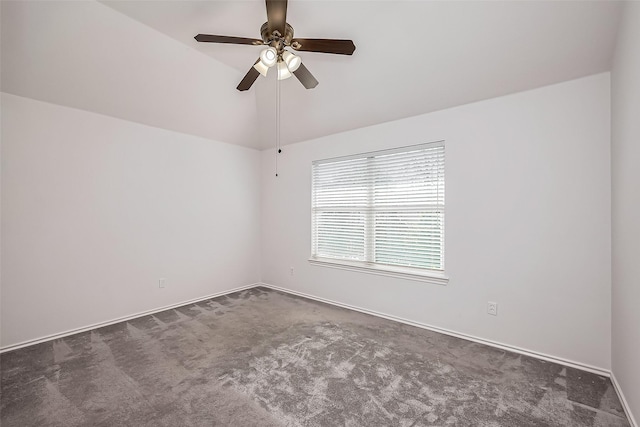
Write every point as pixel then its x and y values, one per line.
pixel 249 78
pixel 305 77
pixel 277 16
pixel 208 38
pixel 341 47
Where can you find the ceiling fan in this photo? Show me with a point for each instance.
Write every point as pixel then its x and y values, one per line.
pixel 277 34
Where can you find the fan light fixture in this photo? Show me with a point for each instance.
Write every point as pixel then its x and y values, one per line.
pixel 293 61
pixel 288 63
pixel 269 57
pixel 283 71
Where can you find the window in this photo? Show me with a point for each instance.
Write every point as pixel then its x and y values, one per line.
pixel 381 212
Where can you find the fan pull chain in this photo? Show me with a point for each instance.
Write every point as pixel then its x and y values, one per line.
pixel 278 149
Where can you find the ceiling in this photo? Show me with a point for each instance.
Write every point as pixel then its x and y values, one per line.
pixel 412 57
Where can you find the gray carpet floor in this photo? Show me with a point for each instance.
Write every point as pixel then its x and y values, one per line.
pixel 264 358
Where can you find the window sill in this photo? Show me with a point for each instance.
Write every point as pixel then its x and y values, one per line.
pixel 399 272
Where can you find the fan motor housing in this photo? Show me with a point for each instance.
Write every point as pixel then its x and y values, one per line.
pixel 275 36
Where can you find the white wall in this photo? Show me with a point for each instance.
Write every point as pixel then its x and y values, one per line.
pixel 96 209
pixel 527 221
pixel 625 159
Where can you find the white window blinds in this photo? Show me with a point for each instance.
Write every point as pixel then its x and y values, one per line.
pixel 384 208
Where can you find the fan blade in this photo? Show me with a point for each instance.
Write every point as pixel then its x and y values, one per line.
pixel 277 15
pixel 341 47
pixel 249 78
pixel 305 77
pixel 208 38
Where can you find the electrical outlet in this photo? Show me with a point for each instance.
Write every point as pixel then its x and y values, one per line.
pixel 162 283
pixel 291 270
pixel 492 308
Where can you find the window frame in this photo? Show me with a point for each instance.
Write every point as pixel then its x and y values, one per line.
pixel 405 272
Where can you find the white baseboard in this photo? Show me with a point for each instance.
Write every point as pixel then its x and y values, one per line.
pixel 526 352
pixel 623 400
pixel 120 319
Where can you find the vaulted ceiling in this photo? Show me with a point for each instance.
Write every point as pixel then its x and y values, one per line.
pixel 137 60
